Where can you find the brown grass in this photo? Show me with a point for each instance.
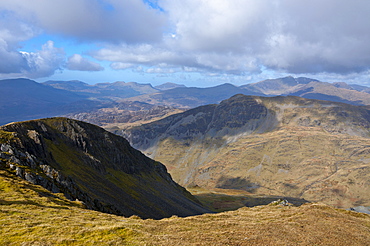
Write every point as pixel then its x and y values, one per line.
pixel 30 215
pixel 301 162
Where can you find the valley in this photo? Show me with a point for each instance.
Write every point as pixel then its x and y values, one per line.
pixel 210 166
pixel 280 146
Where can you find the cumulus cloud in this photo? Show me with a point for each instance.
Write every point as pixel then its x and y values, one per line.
pixel 44 62
pixel 121 65
pixel 15 63
pixel 12 31
pixel 245 36
pixel 79 63
pixel 130 21
pixel 238 37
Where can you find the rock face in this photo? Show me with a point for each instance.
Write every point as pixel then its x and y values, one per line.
pixel 286 146
pixel 94 166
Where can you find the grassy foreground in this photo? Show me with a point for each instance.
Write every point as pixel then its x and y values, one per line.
pixel 30 215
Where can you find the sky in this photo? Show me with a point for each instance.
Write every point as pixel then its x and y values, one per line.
pixel 193 42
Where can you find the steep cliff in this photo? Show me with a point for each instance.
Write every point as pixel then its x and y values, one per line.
pixel 94 166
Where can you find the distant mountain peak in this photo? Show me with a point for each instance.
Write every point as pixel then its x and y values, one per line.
pixel 168 85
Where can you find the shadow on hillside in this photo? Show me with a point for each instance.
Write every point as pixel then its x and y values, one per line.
pixel 220 202
pixel 232 193
pixel 237 183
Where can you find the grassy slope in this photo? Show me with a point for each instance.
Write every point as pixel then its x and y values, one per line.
pixel 319 152
pixel 30 215
pixel 301 162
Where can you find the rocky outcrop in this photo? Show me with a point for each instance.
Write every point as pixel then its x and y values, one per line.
pixel 239 114
pixel 94 166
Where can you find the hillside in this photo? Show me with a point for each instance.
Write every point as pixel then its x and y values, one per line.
pixel 331 92
pixel 31 215
pixel 279 86
pixel 23 99
pixel 287 146
pixel 168 86
pixel 87 163
pixel 112 91
pixel 311 89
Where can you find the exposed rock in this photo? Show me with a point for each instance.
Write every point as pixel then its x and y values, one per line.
pixel 361 209
pixel 92 165
pixel 281 202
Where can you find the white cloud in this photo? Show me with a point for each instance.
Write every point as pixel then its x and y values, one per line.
pixel 44 62
pixel 79 63
pixel 13 31
pixel 15 63
pixel 161 69
pixel 244 36
pixel 237 37
pixel 114 21
pixel 121 65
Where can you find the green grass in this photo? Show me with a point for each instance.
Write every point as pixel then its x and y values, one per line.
pixel 6 136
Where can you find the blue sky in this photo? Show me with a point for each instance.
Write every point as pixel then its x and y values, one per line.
pixel 192 42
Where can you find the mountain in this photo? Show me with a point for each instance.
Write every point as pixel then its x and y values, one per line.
pixel 167 86
pixel 360 88
pixel 32 215
pixel 72 85
pixel 23 99
pixel 278 86
pixel 332 92
pixel 112 91
pixel 287 146
pixel 312 89
pixel 190 97
pixel 94 166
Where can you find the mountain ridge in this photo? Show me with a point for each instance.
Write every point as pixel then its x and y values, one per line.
pixel 92 165
pixel 260 143
pixel 61 98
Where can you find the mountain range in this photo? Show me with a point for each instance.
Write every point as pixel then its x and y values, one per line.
pixel 302 87
pixel 288 146
pixel 24 99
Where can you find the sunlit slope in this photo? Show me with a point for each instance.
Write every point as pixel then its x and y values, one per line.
pixel 297 162
pixel 288 146
pixel 87 163
pixel 31 215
